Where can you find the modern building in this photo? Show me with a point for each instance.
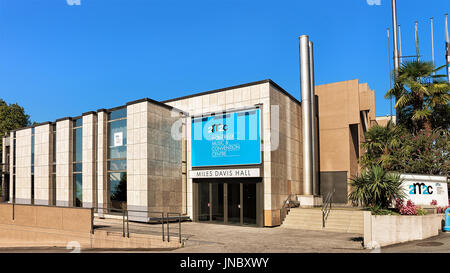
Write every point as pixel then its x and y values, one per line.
pixel 232 155
pixel 346 112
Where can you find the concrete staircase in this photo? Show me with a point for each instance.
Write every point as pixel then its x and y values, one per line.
pixel 347 220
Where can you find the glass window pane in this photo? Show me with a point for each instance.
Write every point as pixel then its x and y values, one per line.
pixel 118 189
pixel 78 189
pixel 118 152
pixel 77 167
pixel 117 165
pixel 78 122
pixel 78 148
pixel 117 139
pixel 121 113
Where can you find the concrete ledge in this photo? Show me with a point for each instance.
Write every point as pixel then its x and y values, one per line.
pixel 309 201
pixel 383 230
pixel 22 236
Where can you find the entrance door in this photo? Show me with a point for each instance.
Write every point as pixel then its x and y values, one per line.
pixel 249 204
pixel 234 203
pixel 217 206
pixel 227 201
pixel 203 201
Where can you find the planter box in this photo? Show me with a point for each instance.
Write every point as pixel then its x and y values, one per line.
pixel 383 230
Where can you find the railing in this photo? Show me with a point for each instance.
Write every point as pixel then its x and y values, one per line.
pixel 326 207
pixel 178 215
pixel 285 208
pixel 165 218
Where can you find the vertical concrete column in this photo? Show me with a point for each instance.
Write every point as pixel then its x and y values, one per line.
pixel 11 168
pixel 23 166
pixel 137 160
pixel 5 167
pixel 89 152
pixel 189 186
pixel 102 149
pixel 42 164
pixel 64 155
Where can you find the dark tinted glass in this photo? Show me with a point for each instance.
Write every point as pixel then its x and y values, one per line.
pixel 78 189
pixel 78 122
pixel 121 113
pixel 77 167
pixel 117 165
pixel 118 189
pixel 78 148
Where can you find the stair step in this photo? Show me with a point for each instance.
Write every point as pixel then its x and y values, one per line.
pixel 338 220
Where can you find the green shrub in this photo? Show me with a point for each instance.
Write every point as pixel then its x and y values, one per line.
pixel 377 210
pixel 375 187
pixel 397 150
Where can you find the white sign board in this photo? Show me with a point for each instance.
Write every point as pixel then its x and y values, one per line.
pixel 225 173
pixel 423 189
pixel 118 139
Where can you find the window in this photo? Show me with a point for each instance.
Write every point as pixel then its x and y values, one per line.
pixel 78 162
pixel 117 158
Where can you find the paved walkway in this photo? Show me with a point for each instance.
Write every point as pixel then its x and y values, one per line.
pixel 213 238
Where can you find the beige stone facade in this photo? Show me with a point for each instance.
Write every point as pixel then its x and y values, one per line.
pixel 346 111
pixel 42 164
pixel 158 149
pixel 281 138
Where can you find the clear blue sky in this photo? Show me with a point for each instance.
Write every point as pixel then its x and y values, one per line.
pixel 58 60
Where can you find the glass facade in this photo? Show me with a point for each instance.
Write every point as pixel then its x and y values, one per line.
pixel 117 158
pixel 77 162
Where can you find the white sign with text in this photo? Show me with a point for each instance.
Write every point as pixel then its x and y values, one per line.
pixel 225 173
pixel 423 189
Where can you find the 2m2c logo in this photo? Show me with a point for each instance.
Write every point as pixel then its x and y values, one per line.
pixel 420 188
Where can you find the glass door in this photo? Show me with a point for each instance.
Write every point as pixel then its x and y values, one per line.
pixel 249 204
pixel 234 203
pixel 203 201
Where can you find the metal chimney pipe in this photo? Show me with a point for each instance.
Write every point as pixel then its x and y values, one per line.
pixel 394 28
pixel 314 140
pixel 305 85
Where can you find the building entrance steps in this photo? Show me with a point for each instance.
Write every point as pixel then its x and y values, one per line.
pixel 342 219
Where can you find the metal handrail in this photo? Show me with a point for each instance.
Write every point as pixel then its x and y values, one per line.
pixel 285 209
pixel 326 207
pixel 179 225
pixel 125 219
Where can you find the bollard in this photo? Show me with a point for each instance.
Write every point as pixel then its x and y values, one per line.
pixel 447 220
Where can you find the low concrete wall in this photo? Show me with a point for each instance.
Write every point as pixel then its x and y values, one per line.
pixel 383 230
pixel 23 236
pixel 58 218
pixel 45 226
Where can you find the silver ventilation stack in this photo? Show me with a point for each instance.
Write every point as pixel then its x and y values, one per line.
pixel 309 128
pixel 314 140
pixel 305 85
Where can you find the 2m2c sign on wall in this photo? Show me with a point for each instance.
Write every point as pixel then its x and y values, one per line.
pixel 226 139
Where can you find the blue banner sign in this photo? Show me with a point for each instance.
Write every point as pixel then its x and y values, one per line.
pixel 226 139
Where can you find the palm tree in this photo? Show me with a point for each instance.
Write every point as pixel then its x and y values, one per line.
pixel 378 144
pixel 418 93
